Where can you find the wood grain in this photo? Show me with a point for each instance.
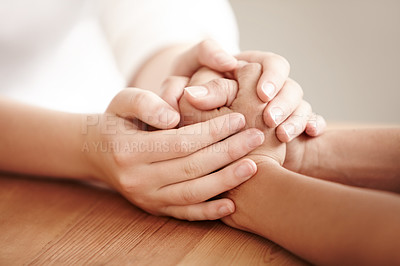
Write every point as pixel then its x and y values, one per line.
pixel 44 221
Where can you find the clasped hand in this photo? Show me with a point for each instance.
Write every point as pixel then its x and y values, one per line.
pixel 177 171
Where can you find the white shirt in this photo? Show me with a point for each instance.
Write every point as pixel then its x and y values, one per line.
pixel 75 55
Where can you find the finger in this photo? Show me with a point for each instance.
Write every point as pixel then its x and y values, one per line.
pixel 275 72
pixel 210 210
pixel 213 94
pixel 295 124
pixel 207 53
pixel 146 106
pixel 175 143
pixel 191 114
pixel 172 90
pixel 209 159
pixel 283 105
pixel 206 187
pixel 316 125
pixel 204 75
pixel 247 76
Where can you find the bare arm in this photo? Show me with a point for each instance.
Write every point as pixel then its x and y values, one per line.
pixel 41 142
pixel 359 157
pixel 323 222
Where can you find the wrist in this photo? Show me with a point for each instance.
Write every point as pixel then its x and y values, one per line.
pixel 312 152
pixel 321 158
pixel 272 150
pixel 304 155
pixel 91 146
pixel 249 200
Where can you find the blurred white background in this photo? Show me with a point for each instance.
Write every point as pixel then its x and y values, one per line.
pixel 345 54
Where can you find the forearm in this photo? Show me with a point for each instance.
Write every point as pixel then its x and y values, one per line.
pixel 360 157
pixel 37 141
pixel 324 222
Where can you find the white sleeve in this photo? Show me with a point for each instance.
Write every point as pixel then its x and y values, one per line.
pixel 138 28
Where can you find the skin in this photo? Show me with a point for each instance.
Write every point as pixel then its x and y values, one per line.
pixel 286 111
pixel 342 156
pixel 247 76
pixel 323 222
pixel 25 149
pixel 84 137
pixel 124 168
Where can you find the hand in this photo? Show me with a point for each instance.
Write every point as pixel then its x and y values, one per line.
pixel 286 110
pixel 221 92
pixel 245 102
pixel 275 87
pixel 206 53
pixel 170 172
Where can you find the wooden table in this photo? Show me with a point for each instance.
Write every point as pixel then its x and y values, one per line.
pixel 44 221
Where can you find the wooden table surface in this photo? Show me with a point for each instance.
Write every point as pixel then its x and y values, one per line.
pixel 44 221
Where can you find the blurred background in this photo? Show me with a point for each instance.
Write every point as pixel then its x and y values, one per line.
pixel 345 54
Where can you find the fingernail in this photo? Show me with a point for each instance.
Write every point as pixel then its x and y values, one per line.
pixel 268 88
pixel 167 116
pixel 312 128
pixel 277 115
pixel 197 91
pixel 289 130
pixel 255 139
pixel 223 59
pixel 236 122
pixel 245 170
pixel 225 210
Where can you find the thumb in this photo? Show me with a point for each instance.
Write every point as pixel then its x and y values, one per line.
pixel 207 53
pixel 145 106
pixel 192 115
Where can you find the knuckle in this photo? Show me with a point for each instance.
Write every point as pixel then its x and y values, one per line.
pixel 223 88
pixel 192 169
pixel 296 86
pixel 188 195
pixel 121 159
pixel 208 213
pixel 278 59
pixel 137 99
pixel 218 84
pixel 233 153
pixel 130 184
pixel 216 128
pixel 252 68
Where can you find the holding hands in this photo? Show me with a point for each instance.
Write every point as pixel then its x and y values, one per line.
pixel 286 110
pixel 173 171
pixel 224 116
